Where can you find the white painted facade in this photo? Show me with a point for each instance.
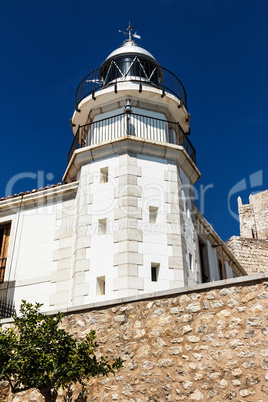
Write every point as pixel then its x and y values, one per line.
pixel 124 223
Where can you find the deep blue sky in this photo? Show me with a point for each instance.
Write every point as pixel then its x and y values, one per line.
pixel 217 48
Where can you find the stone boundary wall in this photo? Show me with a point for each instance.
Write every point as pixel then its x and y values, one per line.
pixel 251 253
pixel 206 343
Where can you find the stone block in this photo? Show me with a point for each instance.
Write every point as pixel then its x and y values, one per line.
pixel 64 263
pixel 173 239
pixel 82 265
pixel 83 242
pixel 128 283
pixel 172 176
pixel 80 254
pixel 126 246
pixel 130 223
pixel 127 159
pixel 173 218
pixel 127 212
pixel 127 179
pixel 128 257
pixel 129 191
pixel 79 277
pixel 127 200
pixel 128 270
pixel 84 219
pixel 173 187
pixel 62 275
pixel 149 148
pixel 129 169
pixel 175 203
pixel 102 152
pixel 175 263
pixel 62 253
pixel 128 235
pixel 188 168
pixel 63 232
pixel 177 251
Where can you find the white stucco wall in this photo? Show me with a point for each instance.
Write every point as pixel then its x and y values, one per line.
pixel 32 248
pixel 102 250
pixel 154 246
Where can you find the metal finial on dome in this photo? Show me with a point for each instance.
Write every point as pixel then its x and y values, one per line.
pixel 129 34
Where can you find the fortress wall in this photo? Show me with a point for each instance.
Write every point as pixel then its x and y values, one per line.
pixel 203 343
pixel 251 253
pixel 254 216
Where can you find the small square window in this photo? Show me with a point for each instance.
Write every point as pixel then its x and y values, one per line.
pixel 102 226
pixel 154 272
pixel 153 214
pixel 100 286
pixel 104 175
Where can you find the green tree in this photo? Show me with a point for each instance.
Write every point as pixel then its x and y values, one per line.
pixel 37 353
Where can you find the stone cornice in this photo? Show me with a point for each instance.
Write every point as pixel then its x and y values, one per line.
pixel 135 145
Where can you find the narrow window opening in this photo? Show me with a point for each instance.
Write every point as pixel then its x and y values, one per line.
pixel 102 226
pixel 104 175
pixel 101 286
pixel 4 243
pixel 204 262
pixel 153 214
pixel 154 272
pixel 191 262
pixel 220 268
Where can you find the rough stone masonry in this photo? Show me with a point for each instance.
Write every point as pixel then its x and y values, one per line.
pixel 207 343
pixel 251 247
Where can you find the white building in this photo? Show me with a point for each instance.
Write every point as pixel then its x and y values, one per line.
pixel 124 221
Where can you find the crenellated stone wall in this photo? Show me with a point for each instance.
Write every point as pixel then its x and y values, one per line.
pixel 254 216
pixel 206 343
pixel 251 248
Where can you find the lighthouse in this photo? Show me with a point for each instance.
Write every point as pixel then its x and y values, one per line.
pixel 136 166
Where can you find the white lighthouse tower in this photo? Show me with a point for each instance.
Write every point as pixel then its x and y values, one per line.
pixel 136 168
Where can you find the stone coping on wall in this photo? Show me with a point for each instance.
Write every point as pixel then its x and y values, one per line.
pixel 244 280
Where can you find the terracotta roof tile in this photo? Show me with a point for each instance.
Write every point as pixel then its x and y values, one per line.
pixel 31 192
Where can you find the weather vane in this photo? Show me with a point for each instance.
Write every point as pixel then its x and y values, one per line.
pixel 129 34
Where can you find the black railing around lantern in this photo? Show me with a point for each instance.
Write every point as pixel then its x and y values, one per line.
pixel 135 125
pixel 140 71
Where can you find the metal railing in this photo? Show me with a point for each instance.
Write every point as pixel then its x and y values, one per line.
pixel 135 125
pixel 2 269
pixel 7 309
pixel 136 70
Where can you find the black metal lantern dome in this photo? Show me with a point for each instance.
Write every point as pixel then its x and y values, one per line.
pixel 130 62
